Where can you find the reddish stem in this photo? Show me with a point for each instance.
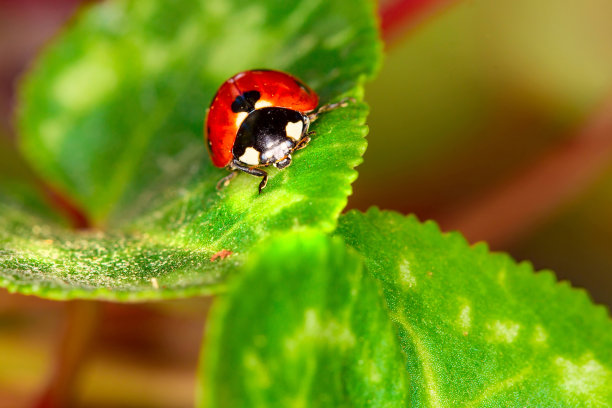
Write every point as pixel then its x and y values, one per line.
pixel 399 16
pixel 66 207
pixel 75 341
pixel 504 214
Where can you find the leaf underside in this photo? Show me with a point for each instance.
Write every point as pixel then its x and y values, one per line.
pixel 112 113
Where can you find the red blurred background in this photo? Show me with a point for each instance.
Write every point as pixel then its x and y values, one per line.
pixel 491 117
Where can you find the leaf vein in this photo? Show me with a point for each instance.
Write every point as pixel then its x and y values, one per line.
pixel 499 387
pixel 431 382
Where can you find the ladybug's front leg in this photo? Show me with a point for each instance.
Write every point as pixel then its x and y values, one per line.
pixel 304 141
pixel 224 182
pixel 330 106
pixel 254 171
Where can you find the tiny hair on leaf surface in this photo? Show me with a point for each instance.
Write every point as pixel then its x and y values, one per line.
pixel 111 115
pixel 478 329
pixel 48 260
pixel 302 326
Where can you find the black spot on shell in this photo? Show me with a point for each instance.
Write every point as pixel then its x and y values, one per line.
pixel 245 102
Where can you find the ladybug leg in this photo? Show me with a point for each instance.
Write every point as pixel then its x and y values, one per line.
pixel 254 171
pixel 224 182
pixel 304 141
pixel 331 106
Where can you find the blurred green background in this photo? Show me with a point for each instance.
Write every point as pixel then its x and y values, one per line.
pixel 494 102
pixel 491 117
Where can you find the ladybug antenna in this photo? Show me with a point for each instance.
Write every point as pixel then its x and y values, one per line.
pixel 331 106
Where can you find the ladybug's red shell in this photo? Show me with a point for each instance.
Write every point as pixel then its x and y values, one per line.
pixel 276 89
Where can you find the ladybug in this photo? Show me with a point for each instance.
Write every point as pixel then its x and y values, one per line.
pixel 258 118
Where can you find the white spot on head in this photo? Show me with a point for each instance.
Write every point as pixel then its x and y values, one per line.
pixel 406 277
pixel 250 156
pixel 262 104
pixel 294 130
pixel 240 117
pixel 465 317
pixel 583 379
pixel 504 332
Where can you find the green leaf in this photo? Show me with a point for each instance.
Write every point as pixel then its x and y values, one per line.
pixel 302 327
pixel 470 328
pixel 112 115
pixel 42 258
pixel 479 329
